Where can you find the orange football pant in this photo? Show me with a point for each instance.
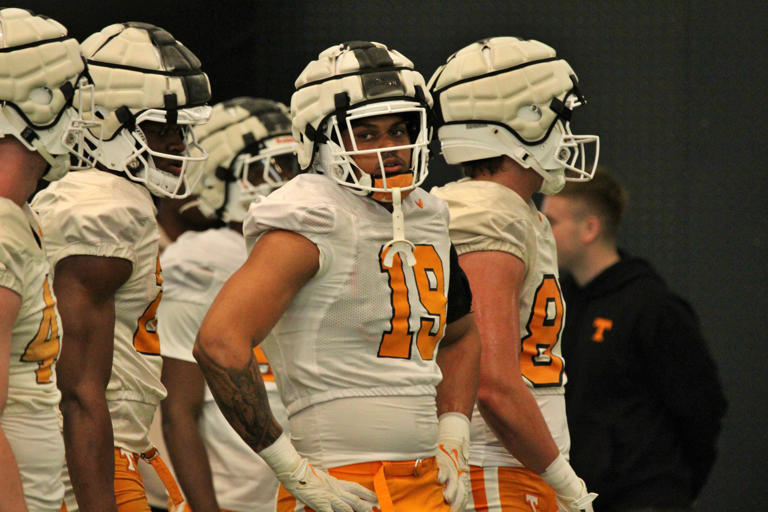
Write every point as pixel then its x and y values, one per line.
pixel 401 486
pixel 508 489
pixel 129 486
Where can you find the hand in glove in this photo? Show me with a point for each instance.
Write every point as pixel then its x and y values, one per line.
pixel 313 486
pixel 452 458
pixel 570 490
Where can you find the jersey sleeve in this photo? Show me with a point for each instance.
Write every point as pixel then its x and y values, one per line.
pixel 479 228
pixel 488 218
pixel 12 250
pixel 185 279
pixel 313 221
pixel 178 323
pixel 459 292
pixel 89 227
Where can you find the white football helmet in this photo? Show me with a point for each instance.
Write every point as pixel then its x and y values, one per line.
pixel 507 96
pixel 40 71
pixel 348 82
pixel 250 153
pixel 142 74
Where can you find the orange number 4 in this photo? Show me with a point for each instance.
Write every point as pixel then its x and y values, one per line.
pixel 429 277
pixel 537 362
pixel 44 347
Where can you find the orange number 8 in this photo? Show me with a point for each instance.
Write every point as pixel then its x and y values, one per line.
pixel 537 362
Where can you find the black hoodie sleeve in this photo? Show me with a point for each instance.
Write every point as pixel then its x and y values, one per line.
pixel 687 383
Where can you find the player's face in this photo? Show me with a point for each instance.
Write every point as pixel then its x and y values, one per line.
pixel 567 226
pixel 378 132
pixel 165 138
pixel 285 166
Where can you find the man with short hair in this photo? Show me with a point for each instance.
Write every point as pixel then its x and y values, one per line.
pixel 351 269
pixel 644 400
pixel 503 109
pixel 100 229
pixel 37 123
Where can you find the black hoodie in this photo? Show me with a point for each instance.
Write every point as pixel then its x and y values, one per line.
pixel 643 396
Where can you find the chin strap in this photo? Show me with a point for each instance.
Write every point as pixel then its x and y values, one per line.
pixel 57 167
pixel 398 244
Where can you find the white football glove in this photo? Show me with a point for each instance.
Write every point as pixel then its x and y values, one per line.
pixel 452 459
pixel 570 490
pixel 313 486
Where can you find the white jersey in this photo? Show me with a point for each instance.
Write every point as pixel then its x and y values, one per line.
pixel 29 419
pixel 96 213
pixel 195 267
pixel 487 216
pixel 354 354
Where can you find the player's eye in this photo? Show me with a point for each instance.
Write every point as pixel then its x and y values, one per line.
pixel 365 136
pixel 398 131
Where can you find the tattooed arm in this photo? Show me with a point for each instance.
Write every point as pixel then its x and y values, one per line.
pixel 247 307
pixel 241 316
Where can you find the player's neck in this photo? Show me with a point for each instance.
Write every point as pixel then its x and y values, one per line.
pixel 19 171
pixel 171 223
pixel 236 226
pixel 525 182
pixel 595 260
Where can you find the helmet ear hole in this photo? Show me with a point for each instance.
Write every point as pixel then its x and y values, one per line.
pixel 41 95
pixel 224 174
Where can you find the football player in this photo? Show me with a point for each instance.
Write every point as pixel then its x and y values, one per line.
pixel 100 229
pixel 41 68
pixel 351 268
pixel 503 107
pixel 251 152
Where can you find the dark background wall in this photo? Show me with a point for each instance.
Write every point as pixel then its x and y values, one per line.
pixel 675 90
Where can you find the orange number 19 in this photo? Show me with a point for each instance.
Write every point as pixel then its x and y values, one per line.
pixel 429 278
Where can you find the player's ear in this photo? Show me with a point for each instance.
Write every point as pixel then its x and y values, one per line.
pixel 592 228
